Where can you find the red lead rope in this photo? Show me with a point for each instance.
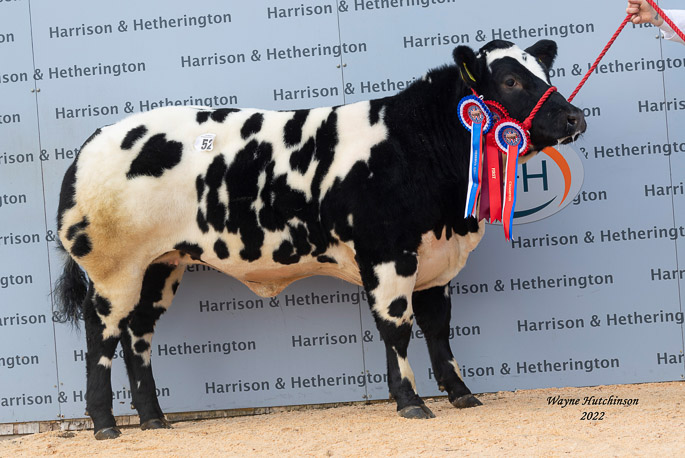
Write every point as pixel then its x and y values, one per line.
pixel 613 38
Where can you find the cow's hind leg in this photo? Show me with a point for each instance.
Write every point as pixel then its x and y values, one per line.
pixel 432 308
pixel 159 286
pixel 102 317
pixel 389 286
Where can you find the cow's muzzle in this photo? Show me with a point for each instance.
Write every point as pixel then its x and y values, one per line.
pixel 575 126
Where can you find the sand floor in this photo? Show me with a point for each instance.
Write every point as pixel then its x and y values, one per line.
pixel 518 423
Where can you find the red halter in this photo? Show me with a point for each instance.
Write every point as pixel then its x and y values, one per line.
pixel 529 120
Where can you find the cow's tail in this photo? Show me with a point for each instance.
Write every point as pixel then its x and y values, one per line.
pixel 71 289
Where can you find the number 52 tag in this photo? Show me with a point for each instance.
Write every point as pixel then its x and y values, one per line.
pixel 205 142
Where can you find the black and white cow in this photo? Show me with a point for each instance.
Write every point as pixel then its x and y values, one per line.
pixel 372 193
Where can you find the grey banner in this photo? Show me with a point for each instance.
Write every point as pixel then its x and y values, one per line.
pixel 587 295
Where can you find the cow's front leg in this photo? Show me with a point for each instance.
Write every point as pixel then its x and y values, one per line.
pixel 389 286
pixel 433 310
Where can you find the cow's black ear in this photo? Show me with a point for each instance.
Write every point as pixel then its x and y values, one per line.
pixel 467 63
pixel 545 50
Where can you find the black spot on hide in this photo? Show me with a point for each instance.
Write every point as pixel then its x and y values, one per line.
pixel 202 116
pixel 102 305
pixel 300 159
pixel 216 211
pixel 200 187
pixel 241 179
pixel 74 229
pixel 221 114
pixel 157 155
pixel 141 346
pixel 281 202
pixel 193 249
pixel 326 259
pixel 292 133
pixel 326 140
pixel 397 307
pixel 369 279
pixel 202 222
pixel 375 111
pixel 133 136
pixel 285 254
pixel 252 125
pixel 143 318
pixel 299 234
pixel 67 193
pixel 155 279
pixel 216 172
pixel 82 246
pixel 221 249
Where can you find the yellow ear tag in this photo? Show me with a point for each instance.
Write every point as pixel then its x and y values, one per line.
pixel 469 73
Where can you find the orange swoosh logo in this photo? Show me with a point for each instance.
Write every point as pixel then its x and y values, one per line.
pixel 563 166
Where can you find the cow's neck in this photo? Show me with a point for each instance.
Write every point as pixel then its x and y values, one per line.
pixel 437 145
pixel 430 107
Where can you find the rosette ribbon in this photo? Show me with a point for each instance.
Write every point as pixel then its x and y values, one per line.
pixel 491 196
pixel 513 140
pixel 476 117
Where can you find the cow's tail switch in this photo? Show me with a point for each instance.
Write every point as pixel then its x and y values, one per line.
pixel 70 291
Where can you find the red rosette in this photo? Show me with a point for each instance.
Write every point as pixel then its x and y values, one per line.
pixel 510 134
pixel 499 113
pixel 473 110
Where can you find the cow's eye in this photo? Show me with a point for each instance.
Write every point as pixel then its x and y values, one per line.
pixel 510 82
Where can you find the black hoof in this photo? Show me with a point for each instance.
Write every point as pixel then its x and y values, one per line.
pixel 416 412
pixel 156 423
pixel 108 433
pixel 468 400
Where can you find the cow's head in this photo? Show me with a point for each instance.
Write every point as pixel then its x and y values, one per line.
pixel 517 79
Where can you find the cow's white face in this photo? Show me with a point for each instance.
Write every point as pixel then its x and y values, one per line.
pixel 526 60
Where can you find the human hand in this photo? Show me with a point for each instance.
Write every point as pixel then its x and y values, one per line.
pixel 643 12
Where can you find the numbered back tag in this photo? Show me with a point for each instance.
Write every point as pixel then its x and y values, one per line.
pixel 205 142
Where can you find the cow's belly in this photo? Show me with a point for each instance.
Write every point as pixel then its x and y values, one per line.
pixel 267 278
pixel 440 260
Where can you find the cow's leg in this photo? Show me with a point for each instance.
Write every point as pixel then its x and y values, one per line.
pixel 389 286
pixel 159 286
pixel 103 312
pixel 432 308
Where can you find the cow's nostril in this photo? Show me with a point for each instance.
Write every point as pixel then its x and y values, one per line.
pixel 572 121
